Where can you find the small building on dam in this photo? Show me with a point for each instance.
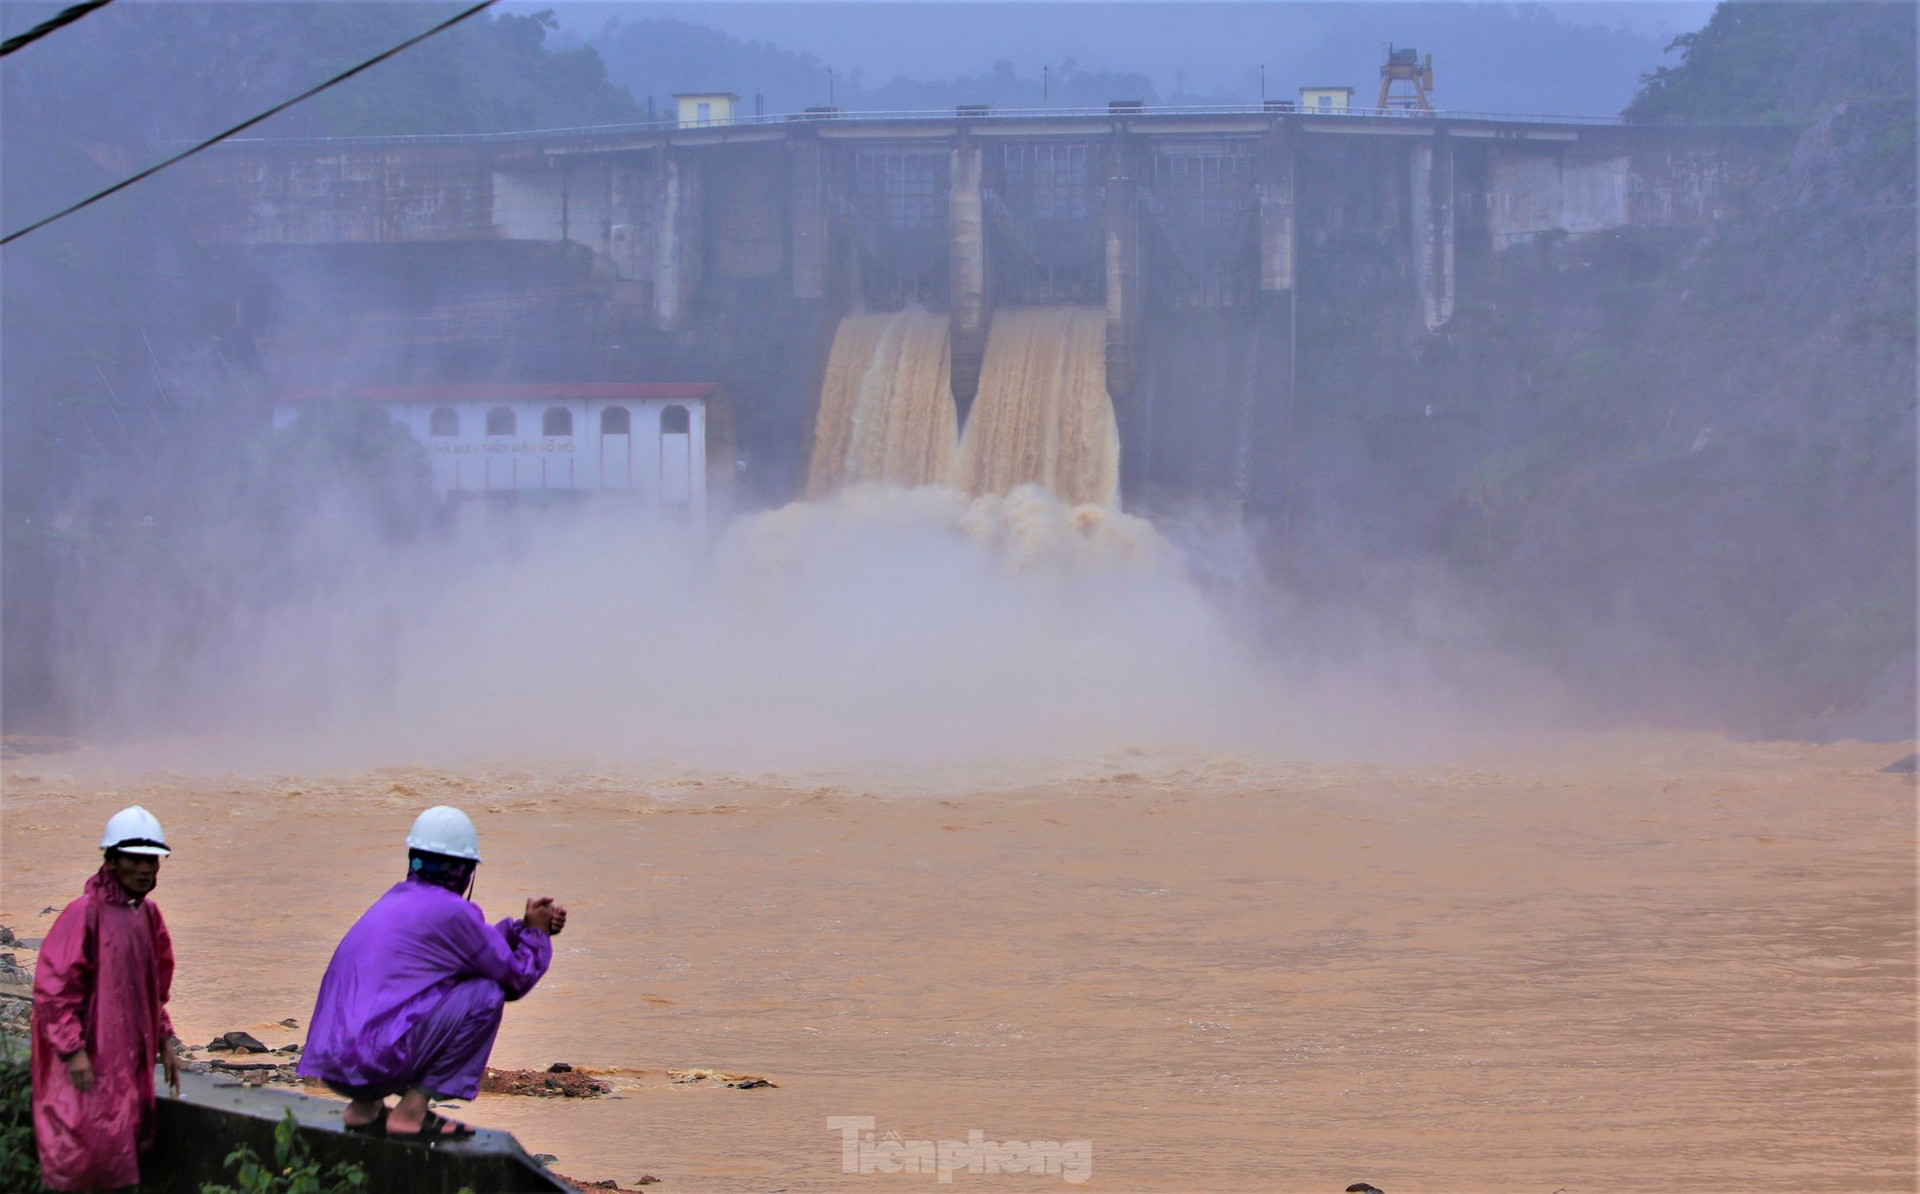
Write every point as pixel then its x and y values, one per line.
pixel 643 441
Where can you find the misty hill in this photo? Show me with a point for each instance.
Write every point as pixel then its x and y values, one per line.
pixel 1728 483
pixel 656 58
pixel 926 56
pixel 170 73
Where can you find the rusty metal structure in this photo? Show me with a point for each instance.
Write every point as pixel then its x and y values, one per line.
pixel 1406 82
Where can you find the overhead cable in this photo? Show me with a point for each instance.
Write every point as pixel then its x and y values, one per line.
pixel 65 16
pixel 244 125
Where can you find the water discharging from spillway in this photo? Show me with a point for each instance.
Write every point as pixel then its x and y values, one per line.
pixel 886 413
pixel 1041 415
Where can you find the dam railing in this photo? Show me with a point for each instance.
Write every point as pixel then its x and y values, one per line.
pixel 1151 112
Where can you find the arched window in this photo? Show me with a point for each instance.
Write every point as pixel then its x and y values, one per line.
pixel 673 421
pixel 500 421
pixel 444 421
pixel 557 420
pixel 616 421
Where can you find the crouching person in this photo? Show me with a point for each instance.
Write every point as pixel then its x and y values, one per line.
pixel 100 1016
pixel 412 1000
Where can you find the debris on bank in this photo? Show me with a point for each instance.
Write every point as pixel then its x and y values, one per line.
pixel 236 1042
pixel 645 1179
pixel 721 1078
pixel 558 1081
pixel 16 991
pixel 264 1065
pixel 13 973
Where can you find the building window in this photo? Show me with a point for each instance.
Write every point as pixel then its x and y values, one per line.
pixel 1325 103
pixel 444 421
pixel 674 421
pixel 558 420
pixel 703 112
pixel 500 421
pixel 615 421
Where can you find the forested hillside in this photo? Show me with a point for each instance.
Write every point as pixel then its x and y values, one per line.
pixel 1785 63
pixel 1719 518
pixel 169 72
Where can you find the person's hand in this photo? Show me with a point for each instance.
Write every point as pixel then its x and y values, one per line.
pixel 540 915
pixel 80 1070
pixel 545 915
pixel 170 1062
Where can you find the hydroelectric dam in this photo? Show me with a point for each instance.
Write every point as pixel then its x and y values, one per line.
pixel 1302 314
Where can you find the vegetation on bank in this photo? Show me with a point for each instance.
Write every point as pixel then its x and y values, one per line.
pixel 19 1158
pixel 293 1170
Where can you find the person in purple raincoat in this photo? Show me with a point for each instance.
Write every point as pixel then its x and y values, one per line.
pixel 412 999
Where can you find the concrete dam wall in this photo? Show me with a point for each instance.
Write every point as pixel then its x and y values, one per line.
pixel 1259 298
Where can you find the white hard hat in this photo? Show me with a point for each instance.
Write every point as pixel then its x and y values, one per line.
pixel 135 831
pixel 443 829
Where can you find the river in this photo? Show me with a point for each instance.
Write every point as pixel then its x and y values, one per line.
pixel 1625 961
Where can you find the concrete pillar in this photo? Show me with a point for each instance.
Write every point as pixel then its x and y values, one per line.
pixel 677 240
pixel 626 216
pixel 1433 228
pixel 1122 245
pixel 1276 211
pixel 970 305
pixel 810 228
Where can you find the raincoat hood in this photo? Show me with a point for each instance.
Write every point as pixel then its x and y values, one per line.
pixel 105 888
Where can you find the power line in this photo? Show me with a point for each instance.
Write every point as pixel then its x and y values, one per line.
pixel 65 16
pixel 244 125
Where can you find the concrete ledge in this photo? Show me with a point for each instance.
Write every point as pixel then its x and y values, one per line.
pixel 215 1115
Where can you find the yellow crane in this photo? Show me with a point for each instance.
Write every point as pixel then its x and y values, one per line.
pixel 1415 79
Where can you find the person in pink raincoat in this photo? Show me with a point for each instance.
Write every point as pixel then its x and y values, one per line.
pixel 414 994
pixel 100 1017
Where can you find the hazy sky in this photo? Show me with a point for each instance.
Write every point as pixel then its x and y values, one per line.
pixel 1209 46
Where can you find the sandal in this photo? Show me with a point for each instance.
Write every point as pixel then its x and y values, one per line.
pixel 435 1127
pixel 377 1126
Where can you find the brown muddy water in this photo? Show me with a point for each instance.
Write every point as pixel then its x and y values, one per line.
pixel 1606 963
